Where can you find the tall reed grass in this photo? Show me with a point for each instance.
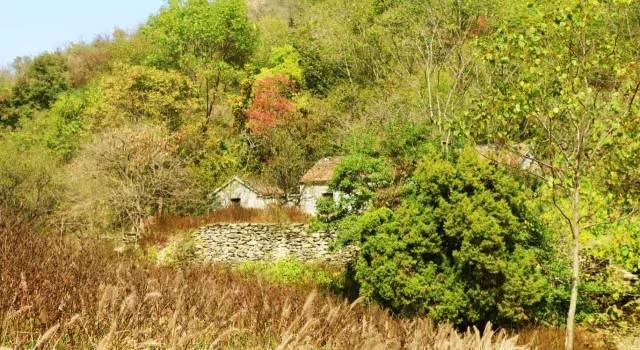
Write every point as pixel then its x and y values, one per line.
pixel 68 293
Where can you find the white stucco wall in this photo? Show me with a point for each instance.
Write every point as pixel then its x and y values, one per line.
pixel 248 198
pixel 309 195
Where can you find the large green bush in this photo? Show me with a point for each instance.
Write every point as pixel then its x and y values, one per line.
pixel 463 245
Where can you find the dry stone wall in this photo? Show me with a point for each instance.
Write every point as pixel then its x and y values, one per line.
pixel 237 243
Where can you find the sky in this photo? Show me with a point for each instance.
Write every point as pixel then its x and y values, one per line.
pixel 29 27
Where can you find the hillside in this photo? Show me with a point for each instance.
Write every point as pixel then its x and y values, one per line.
pixel 483 160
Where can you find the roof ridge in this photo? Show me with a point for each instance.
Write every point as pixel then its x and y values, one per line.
pixel 322 170
pixel 252 184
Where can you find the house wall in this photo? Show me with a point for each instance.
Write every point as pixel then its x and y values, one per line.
pixel 248 198
pixel 309 195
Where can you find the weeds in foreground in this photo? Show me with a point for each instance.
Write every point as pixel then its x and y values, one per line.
pixel 60 292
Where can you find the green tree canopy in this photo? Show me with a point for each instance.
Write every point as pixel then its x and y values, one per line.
pixel 38 84
pixel 568 83
pixel 208 41
pixel 139 93
pixel 463 245
pixel 201 30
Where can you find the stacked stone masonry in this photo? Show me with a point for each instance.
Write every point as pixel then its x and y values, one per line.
pixel 237 243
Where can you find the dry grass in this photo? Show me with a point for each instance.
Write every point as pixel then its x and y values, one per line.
pixel 158 229
pixel 553 338
pixel 60 292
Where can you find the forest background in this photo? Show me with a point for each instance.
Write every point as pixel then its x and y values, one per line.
pixel 98 137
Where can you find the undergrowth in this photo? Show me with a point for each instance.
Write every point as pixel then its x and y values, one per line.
pixel 294 271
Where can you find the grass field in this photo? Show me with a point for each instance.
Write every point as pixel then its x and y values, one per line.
pixel 70 293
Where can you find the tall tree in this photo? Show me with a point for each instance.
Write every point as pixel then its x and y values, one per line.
pixel 42 81
pixel 565 82
pixel 137 93
pixel 430 40
pixel 37 85
pixel 209 41
pixel 132 173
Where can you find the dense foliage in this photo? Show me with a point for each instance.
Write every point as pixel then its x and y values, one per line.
pixel 356 178
pixel 463 245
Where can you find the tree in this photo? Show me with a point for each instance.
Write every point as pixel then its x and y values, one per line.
pixel 272 103
pixel 6 83
pixel 285 132
pixel 567 82
pixel 209 41
pixel 284 61
pixel 43 79
pixel 37 84
pixel 430 41
pixel 68 122
pixel 132 173
pixel 88 61
pixel 464 245
pixel 138 93
pixel 286 162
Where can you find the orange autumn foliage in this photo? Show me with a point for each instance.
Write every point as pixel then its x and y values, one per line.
pixel 272 103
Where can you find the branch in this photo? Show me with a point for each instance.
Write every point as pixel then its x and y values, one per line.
pixel 562 212
pixel 633 97
pixel 552 138
pixel 527 171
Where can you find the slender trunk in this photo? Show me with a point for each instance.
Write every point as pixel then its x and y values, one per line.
pixel 210 99
pixel 575 273
pixel 346 65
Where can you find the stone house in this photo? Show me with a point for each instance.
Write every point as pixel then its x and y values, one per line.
pixel 247 194
pixel 315 184
pixel 254 194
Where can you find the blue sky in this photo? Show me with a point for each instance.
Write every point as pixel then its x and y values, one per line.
pixel 29 27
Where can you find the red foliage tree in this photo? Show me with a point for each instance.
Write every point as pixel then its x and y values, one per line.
pixel 271 103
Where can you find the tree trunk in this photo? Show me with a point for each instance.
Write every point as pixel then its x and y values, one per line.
pixel 575 273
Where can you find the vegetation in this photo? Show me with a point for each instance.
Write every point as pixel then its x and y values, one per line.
pixel 575 96
pixel 462 246
pixel 61 292
pixel 294 271
pixel 157 229
pixel 130 133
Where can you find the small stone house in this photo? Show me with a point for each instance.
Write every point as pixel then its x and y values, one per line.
pixel 315 184
pixel 247 194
